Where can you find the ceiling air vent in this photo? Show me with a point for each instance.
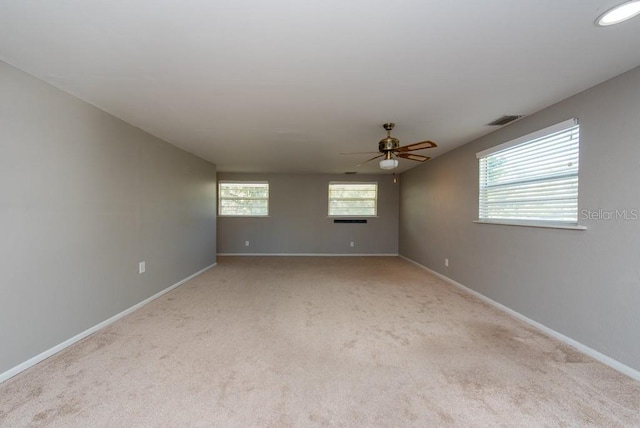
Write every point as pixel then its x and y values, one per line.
pixel 501 121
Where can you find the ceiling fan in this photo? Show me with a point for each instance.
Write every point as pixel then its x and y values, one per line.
pixel 391 149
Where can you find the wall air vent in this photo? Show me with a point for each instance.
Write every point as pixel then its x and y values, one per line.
pixel 507 118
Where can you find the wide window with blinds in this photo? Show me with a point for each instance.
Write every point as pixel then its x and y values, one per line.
pixel 353 199
pixel 243 199
pixel 532 180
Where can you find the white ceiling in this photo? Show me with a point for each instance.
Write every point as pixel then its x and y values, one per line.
pixel 285 85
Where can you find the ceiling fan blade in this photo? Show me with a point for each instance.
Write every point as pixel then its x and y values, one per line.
pixel 373 158
pixel 417 146
pixel 359 153
pixel 413 157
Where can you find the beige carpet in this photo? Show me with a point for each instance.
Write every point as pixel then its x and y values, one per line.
pixel 305 342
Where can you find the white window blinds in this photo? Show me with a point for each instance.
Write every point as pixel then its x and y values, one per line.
pixel 533 179
pixel 243 199
pixel 353 199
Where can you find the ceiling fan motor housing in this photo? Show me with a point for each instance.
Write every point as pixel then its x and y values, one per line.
pixel 387 144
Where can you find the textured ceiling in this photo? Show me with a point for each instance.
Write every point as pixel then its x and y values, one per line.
pixel 285 86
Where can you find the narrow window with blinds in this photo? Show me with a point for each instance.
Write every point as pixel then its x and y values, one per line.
pixel 353 199
pixel 243 199
pixel 532 180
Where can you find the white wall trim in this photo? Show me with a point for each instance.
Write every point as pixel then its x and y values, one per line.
pixel 306 255
pixel 49 352
pixel 615 364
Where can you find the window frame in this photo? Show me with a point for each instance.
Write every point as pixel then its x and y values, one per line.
pixel 541 182
pixel 248 183
pixel 375 199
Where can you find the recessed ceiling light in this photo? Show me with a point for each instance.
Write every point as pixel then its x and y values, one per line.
pixel 619 13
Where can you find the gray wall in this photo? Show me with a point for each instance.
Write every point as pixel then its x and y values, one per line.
pixel 298 220
pixel 83 198
pixel 583 284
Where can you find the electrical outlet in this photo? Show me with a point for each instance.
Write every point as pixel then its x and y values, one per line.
pixel 142 267
pixel 246 243
pixel 446 262
pixel 352 244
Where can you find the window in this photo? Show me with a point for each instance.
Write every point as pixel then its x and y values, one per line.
pixel 353 199
pixel 243 198
pixel 532 180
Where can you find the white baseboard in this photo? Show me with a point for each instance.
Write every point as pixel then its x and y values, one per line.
pixel 306 255
pixel 49 352
pixel 615 364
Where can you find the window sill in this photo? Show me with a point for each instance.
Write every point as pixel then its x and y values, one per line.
pixel 533 224
pixel 244 216
pixel 353 217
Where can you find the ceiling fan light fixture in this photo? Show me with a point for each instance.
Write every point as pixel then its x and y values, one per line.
pixel 619 14
pixel 388 163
